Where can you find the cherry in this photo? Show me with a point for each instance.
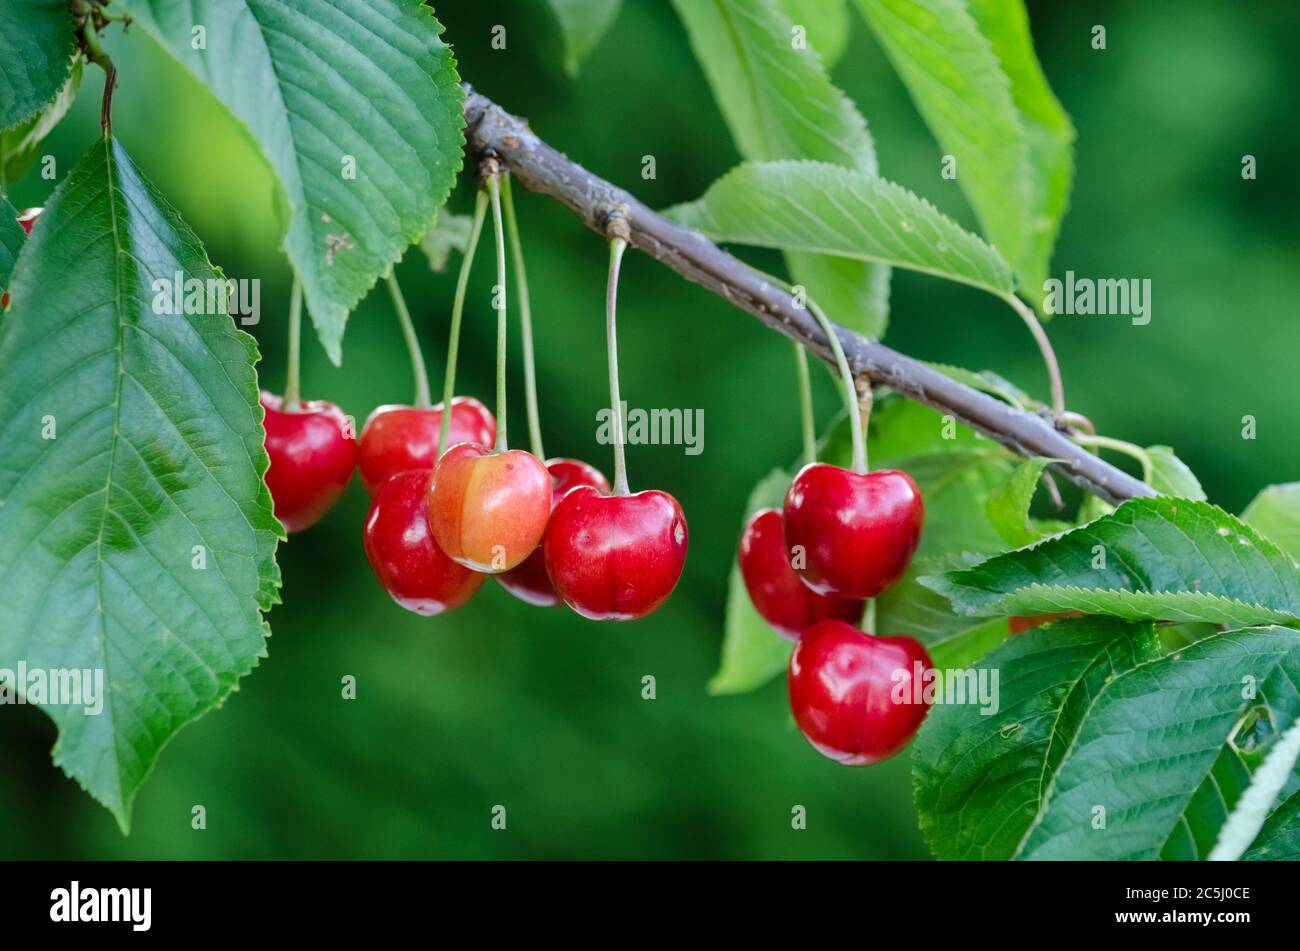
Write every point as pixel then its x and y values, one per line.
pixel 858 531
pixel 398 438
pixel 415 572
pixel 28 218
pixel 615 557
pixel 313 452
pixel 488 509
pixel 529 581
pixel 855 696
pixel 774 587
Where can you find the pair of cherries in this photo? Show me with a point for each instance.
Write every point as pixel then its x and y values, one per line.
pixel 842 537
pixel 549 532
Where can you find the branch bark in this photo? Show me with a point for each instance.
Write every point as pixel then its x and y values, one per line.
pixel 537 166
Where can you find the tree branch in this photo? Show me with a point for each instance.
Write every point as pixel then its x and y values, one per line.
pixel 540 168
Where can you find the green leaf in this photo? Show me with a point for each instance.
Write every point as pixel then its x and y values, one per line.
pixel 36 47
pixel 1008 508
pixel 323 84
pixel 1017 183
pixel 136 534
pixel 986 381
pixel 449 233
pixel 1279 840
pixel 981 779
pixel 1275 513
pixel 21 144
pixel 1170 475
pixel 583 23
pixel 752 653
pixel 1252 808
pixel 812 206
pixel 12 237
pixel 966 648
pixel 825 23
pixel 779 103
pixel 1157 750
pixel 854 294
pixel 1159 558
pixel 1049 135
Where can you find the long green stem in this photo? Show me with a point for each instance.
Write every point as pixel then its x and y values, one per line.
pixel 1045 348
pixel 458 308
pixel 525 320
pixel 422 398
pixel 499 298
pixel 1119 445
pixel 291 382
pixel 616 248
pixel 806 420
pixel 850 388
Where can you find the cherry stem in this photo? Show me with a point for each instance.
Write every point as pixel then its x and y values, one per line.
pixel 616 248
pixel 1045 348
pixel 499 297
pixel 850 388
pixel 422 398
pixel 525 319
pixel 805 405
pixel 291 391
pixel 1119 445
pixel 458 308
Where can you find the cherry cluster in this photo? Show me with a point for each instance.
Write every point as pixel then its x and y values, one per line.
pixel 549 532
pixel 842 537
pixel 442 519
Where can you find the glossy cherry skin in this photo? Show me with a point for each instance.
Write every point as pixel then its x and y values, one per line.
pixel 615 557
pixel 774 587
pixel 854 696
pixel 488 509
pixel 529 581
pixel 399 438
pixel 313 453
pixel 857 532
pixel 415 572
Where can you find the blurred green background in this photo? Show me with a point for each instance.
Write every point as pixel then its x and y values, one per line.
pixel 541 711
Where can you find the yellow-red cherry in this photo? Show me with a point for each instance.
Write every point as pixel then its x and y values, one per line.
pixel 488 509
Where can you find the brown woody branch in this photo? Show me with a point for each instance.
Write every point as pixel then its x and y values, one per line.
pixel 493 131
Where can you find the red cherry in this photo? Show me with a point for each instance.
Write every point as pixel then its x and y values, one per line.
pixel 529 581
pixel 398 438
pixel 28 218
pixel 858 532
pixel 415 572
pixel 615 557
pixel 313 452
pixel 857 698
pixel 488 509
pixel 774 587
